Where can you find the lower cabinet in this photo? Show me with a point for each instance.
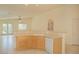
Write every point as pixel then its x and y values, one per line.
pixel 30 42
pixel 23 42
pixel 57 46
pixel 39 42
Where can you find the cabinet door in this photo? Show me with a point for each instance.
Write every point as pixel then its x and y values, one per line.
pixel 34 42
pixel 37 42
pixel 23 42
pixel 57 45
pixel 30 42
pixel 40 42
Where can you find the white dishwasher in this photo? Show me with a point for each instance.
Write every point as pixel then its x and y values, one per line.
pixel 49 45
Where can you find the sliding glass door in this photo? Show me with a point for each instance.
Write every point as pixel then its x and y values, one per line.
pixel 8 39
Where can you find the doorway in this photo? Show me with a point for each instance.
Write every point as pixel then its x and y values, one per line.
pixel 8 38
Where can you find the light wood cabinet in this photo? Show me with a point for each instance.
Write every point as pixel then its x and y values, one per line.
pixel 38 42
pixel 30 42
pixel 57 46
pixel 23 43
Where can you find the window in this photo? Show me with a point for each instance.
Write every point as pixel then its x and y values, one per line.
pixel 22 26
pixel 7 28
pixel 4 28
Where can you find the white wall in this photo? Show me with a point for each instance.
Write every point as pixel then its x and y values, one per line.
pixel 71 14
pixel 62 18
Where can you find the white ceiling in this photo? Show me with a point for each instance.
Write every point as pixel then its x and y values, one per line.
pixel 12 10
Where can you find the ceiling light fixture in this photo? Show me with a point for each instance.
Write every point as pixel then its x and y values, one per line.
pixel 19 18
